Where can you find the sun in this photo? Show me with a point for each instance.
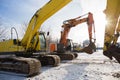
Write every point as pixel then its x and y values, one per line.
pixel 100 22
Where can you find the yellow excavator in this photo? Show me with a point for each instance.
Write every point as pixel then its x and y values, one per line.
pixel 29 53
pixel 112 30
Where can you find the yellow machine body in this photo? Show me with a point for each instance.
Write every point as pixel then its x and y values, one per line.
pixel 10 45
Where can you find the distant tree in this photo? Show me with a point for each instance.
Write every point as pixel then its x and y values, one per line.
pixel 23 28
pixel 3 31
pixel 48 35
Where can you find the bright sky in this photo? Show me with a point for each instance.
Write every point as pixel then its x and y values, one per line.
pixel 17 12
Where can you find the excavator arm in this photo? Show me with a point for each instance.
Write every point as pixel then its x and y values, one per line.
pixel 68 24
pixel 112 30
pixel 39 17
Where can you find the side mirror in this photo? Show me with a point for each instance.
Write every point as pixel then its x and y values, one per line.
pixel 48 33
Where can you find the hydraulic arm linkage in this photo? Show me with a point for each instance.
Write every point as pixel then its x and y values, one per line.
pixel 68 24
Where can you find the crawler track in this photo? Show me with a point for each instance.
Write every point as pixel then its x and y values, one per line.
pixel 28 66
pixel 65 56
pixel 52 60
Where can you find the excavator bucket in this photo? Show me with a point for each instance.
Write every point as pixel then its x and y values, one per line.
pixel 89 49
pixel 113 51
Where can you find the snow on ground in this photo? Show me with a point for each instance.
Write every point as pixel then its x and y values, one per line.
pixel 84 67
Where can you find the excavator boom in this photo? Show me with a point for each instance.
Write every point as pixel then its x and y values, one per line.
pixel 39 17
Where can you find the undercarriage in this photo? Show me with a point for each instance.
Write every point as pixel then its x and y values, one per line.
pixel 27 66
pixel 66 55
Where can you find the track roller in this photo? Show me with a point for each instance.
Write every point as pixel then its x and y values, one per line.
pixel 65 56
pixel 75 54
pixel 52 60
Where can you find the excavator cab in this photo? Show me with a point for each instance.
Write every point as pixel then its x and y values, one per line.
pixel 69 46
pixel 42 41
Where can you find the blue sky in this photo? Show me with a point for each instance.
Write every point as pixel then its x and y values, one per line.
pixel 17 12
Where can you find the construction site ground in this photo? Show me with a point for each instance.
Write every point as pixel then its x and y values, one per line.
pixel 85 67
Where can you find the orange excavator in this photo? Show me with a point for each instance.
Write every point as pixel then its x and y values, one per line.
pixel 64 47
pixel 68 24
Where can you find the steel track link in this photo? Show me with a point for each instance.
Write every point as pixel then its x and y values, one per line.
pixel 51 60
pixel 27 66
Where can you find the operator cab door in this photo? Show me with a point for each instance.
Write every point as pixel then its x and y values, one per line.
pixel 42 42
pixel 69 46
